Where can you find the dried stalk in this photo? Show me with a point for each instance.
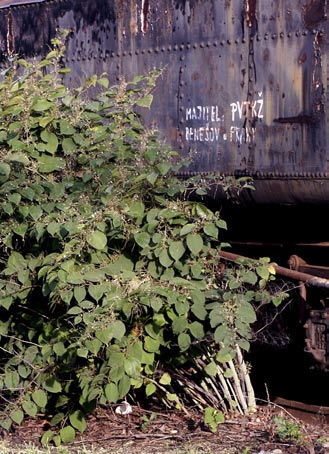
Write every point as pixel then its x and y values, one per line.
pixel 247 381
pixel 237 384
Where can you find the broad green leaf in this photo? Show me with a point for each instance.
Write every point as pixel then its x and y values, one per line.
pixel 249 277
pixel 164 258
pixel 52 385
pixel 97 240
pixel 42 105
pixel 132 367
pixel 194 243
pixel 49 164
pixel 59 348
pixel 151 345
pixel 78 420
pixel 14 198
pixel 223 335
pixel 79 293
pixel 104 335
pixel 35 212
pixel 74 277
pixel 196 329
pixel 211 368
pixel 11 380
pixel 23 371
pixel 16 261
pixel 199 311
pixel 124 386
pixel 118 329
pixel 40 398
pixel 211 230
pixel 6 423
pixel 188 228
pixel 82 352
pixel 179 325
pixel 47 437
pixel 93 346
pixel 67 434
pixel 17 416
pixel 150 389
pixel 246 313
pixel 263 272
pixel 184 341
pixel 30 408
pixel 97 291
pixel 176 250
pixel 145 102
pixel 66 128
pixel 4 172
pixel 142 239
pixel 165 379
pixel 44 121
pixel 136 209
pixel 18 157
pixel 69 145
pixel 50 140
pixel 111 393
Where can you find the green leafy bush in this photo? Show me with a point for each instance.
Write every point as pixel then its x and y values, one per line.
pixel 107 270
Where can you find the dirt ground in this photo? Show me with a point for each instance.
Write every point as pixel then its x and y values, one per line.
pixel 155 431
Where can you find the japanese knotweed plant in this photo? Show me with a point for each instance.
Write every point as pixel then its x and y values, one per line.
pixel 106 269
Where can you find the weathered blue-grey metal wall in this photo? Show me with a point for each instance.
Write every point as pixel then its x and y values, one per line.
pixel 244 82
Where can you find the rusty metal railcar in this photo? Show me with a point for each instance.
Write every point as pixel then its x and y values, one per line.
pixel 246 93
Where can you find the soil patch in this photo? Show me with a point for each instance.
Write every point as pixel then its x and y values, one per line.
pixel 155 431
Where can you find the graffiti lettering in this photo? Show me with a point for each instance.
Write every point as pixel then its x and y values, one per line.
pixel 241 135
pixel 204 113
pixel 248 109
pixel 204 134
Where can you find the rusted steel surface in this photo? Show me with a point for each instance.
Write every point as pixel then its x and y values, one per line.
pixel 8 3
pixel 245 81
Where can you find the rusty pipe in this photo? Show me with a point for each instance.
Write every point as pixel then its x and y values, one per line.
pixel 286 272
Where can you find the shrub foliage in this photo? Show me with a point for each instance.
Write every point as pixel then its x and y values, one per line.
pixel 107 270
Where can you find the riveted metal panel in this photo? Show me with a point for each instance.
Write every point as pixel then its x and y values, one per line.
pixel 244 82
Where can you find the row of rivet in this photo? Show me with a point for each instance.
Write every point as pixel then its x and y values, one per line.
pixel 260 174
pixel 263 175
pixel 201 45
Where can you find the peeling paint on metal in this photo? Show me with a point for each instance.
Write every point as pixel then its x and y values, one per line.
pixel 10 35
pixel 250 12
pixel 314 12
pixel 144 15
